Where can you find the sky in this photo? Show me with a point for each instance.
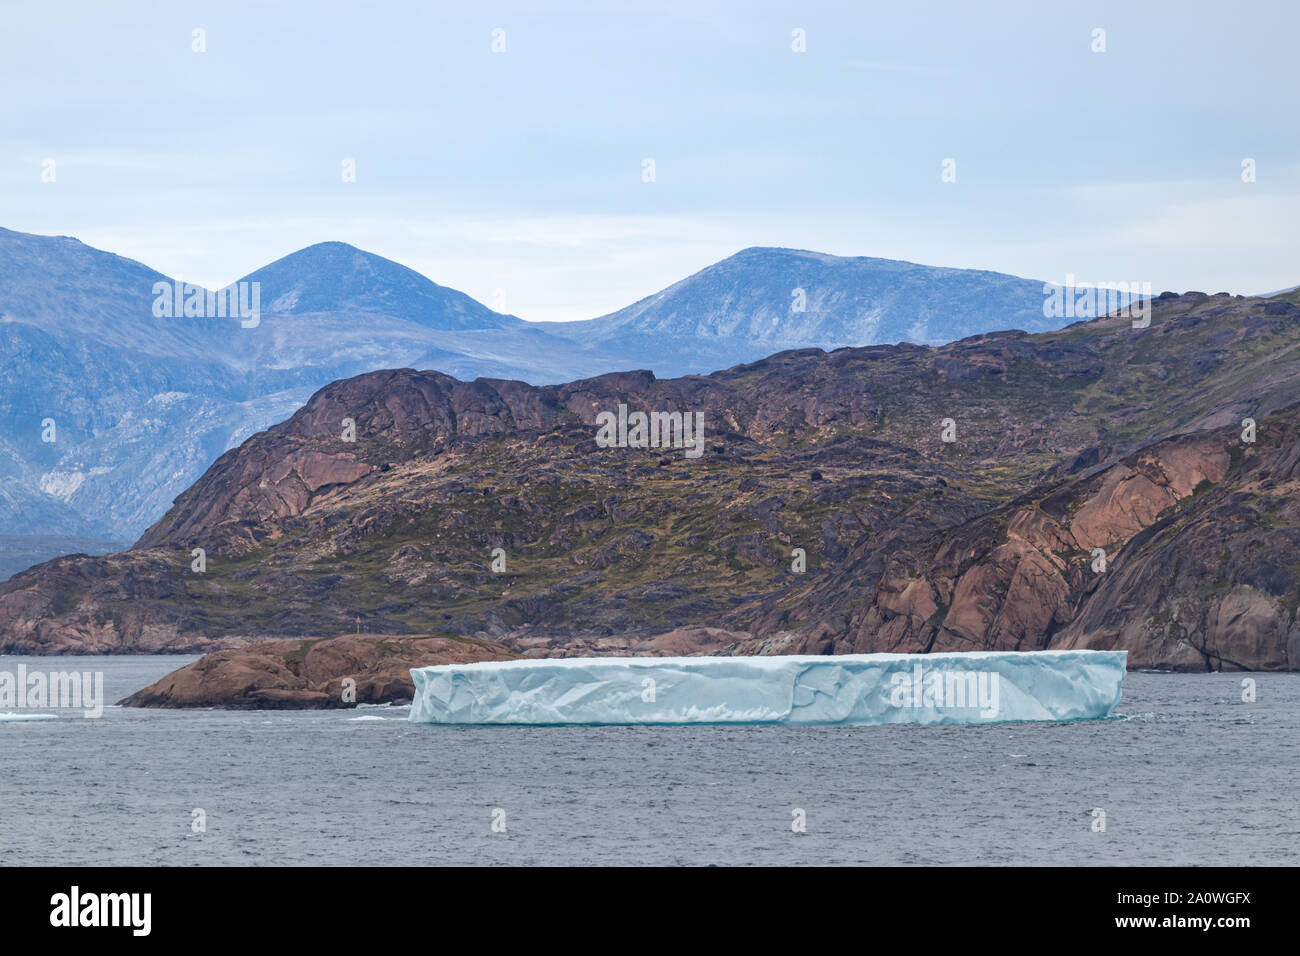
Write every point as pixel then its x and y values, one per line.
pixel 519 175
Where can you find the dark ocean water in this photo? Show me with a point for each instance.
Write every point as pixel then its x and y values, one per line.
pixel 1187 773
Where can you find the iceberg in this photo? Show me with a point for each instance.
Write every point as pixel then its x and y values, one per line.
pixel 850 689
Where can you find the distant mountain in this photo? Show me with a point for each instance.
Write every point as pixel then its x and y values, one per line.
pixel 337 277
pixel 67 289
pixel 18 552
pixel 1280 292
pixel 142 404
pixel 763 300
pixel 81 350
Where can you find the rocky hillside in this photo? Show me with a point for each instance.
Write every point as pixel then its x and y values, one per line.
pixel 1099 438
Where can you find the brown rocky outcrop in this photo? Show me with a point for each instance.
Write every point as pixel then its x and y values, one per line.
pixel 310 673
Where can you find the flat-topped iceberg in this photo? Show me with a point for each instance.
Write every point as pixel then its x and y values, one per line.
pixel 970 688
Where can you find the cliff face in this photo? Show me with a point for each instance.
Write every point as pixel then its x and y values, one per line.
pixel 1201 538
pixel 1099 436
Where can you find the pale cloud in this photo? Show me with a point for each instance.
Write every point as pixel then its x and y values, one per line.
pixel 1242 243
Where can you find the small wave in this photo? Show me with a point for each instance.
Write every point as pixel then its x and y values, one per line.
pixel 1148 717
pixel 12 717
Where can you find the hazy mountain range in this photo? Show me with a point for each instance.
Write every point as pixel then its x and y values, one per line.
pixel 141 405
pixel 744 308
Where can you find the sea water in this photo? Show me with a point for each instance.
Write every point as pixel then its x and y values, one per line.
pixel 1184 772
